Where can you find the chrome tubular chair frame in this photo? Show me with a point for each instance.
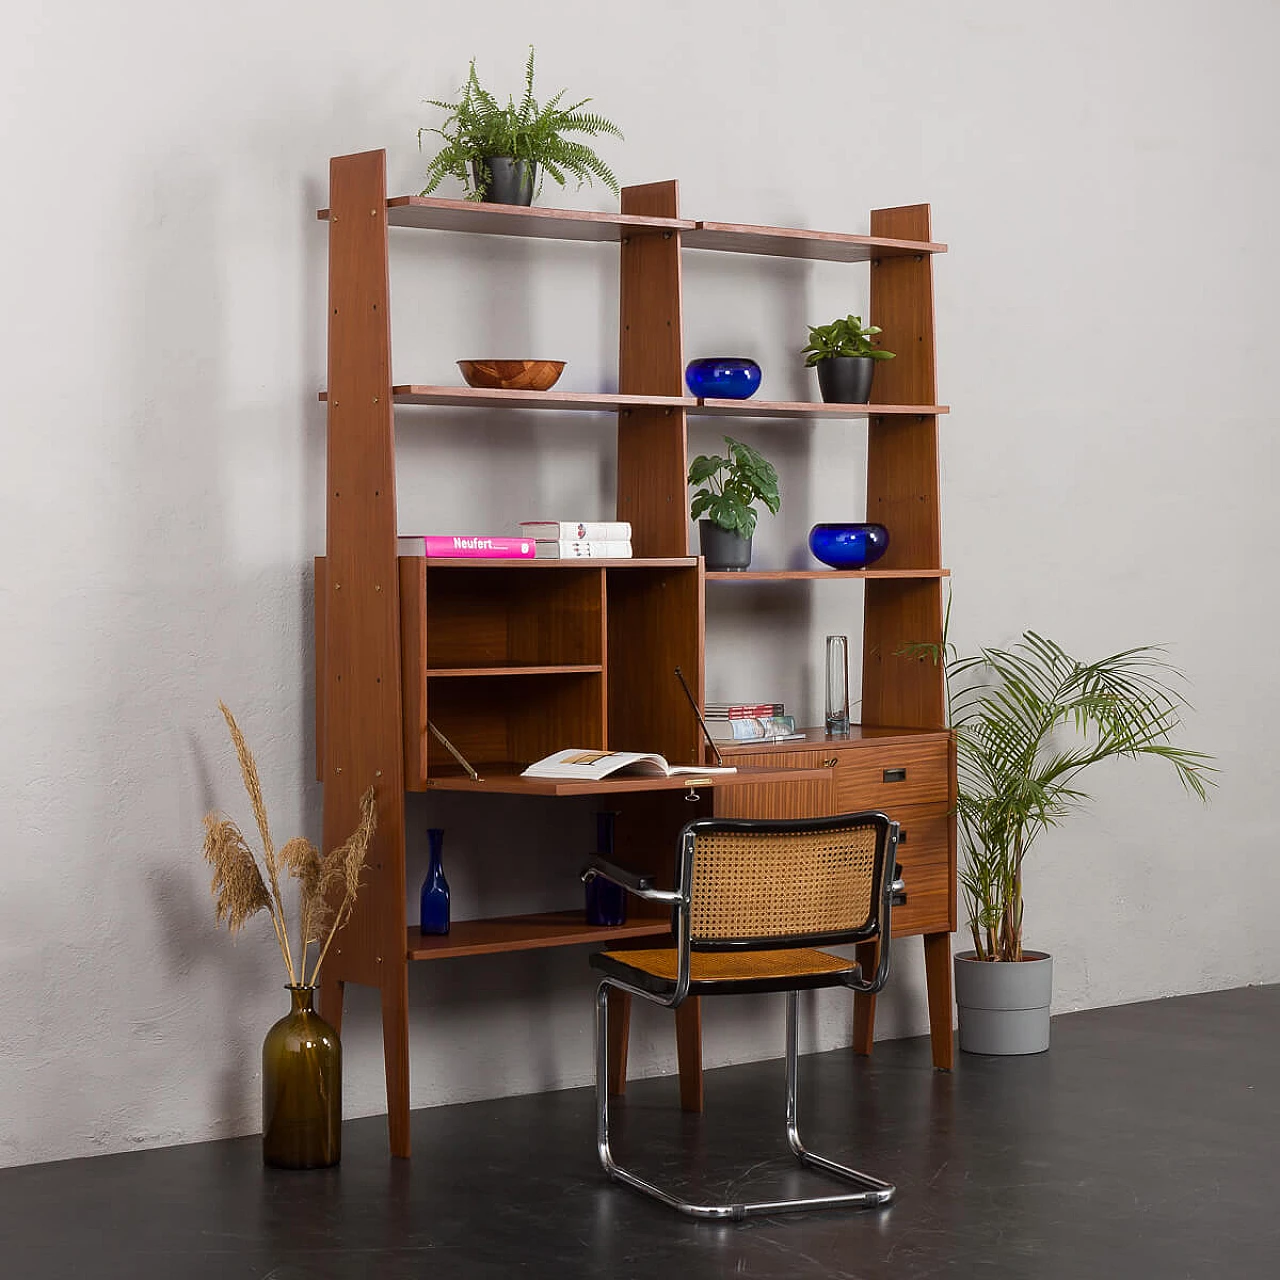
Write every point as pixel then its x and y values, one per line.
pixel 872 1191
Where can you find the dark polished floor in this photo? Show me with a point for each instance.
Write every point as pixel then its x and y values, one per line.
pixel 1144 1144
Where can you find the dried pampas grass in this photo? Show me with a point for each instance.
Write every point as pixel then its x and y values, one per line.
pixel 327 883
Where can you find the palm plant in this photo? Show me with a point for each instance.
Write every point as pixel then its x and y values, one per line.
pixel 1016 774
pixel 478 127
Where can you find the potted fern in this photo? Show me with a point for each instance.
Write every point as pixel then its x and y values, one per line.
pixel 1029 720
pixel 495 151
pixel 729 487
pixel 844 354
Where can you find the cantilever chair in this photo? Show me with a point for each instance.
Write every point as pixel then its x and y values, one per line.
pixel 753 899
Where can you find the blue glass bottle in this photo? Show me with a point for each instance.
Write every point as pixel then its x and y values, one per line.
pixel 606 901
pixel 435 888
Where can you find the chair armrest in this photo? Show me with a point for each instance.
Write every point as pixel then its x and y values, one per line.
pixel 898 889
pixel 640 885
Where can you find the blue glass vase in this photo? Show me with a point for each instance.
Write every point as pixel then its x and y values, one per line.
pixel 848 546
pixel 606 901
pixel 723 377
pixel 435 888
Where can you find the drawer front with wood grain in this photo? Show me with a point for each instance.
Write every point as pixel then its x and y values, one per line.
pixel 889 776
pixel 924 854
pixel 808 799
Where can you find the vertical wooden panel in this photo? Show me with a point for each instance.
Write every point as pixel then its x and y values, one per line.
pixel 651 442
pixel 902 305
pixel 413 668
pixel 318 593
pixel 903 494
pixel 902 488
pixel 897 690
pixel 363 742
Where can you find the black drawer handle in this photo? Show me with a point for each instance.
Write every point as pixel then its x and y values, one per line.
pixel 895 775
pixel 902 835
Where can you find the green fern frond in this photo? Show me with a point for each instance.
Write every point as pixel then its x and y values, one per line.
pixel 477 126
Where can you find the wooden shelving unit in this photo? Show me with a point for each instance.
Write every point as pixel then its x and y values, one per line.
pixel 515 659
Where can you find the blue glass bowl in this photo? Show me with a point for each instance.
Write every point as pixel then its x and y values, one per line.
pixel 848 546
pixel 722 377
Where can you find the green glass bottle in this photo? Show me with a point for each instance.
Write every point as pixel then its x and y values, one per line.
pixel 301 1088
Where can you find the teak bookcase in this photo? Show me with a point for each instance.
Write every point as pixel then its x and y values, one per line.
pixel 513 660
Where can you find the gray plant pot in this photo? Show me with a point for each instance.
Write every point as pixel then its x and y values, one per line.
pixel 1004 1007
pixel 723 549
pixel 510 181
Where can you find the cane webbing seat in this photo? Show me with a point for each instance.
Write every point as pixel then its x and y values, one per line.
pixel 718 972
pixel 754 900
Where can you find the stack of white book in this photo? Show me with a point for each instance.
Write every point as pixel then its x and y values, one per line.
pixel 579 539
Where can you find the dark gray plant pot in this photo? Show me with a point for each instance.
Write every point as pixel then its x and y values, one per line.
pixel 723 549
pixel 1004 1007
pixel 845 379
pixel 509 181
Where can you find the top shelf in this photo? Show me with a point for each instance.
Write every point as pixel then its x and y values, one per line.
pixel 795 242
pixel 430 213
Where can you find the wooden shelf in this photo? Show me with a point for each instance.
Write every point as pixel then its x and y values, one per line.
pixel 811 409
pixel 604 402
pixel 787 575
pixel 527 933
pixel 485 398
pixel 793 242
pixel 430 213
pixel 505 779
pixel 579 562
pixel 445 673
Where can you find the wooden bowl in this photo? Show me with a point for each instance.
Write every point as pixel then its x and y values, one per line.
pixel 512 375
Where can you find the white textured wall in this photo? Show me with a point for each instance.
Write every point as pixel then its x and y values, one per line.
pixel 1106 176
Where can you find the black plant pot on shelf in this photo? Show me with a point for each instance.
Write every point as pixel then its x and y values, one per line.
pixel 509 181
pixel 723 549
pixel 845 379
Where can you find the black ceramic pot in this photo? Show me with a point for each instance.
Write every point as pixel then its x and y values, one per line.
pixel 510 181
pixel 845 379
pixel 723 549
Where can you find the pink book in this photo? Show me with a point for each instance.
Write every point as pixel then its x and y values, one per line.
pixel 466 547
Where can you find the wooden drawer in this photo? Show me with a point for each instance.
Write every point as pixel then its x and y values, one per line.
pixel 887 777
pixel 924 854
pixel 777 799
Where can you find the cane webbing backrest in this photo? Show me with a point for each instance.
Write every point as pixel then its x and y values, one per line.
pixel 776 884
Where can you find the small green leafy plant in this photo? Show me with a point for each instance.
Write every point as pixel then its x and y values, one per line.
pixel 730 486
pixel 845 337
pixel 478 126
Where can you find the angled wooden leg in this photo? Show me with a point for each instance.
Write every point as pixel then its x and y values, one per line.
pixel 619 1033
pixel 689 1053
pixel 937 976
pixel 864 1007
pixel 395 1052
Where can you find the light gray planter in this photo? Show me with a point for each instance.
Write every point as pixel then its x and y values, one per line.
pixel 1004 1007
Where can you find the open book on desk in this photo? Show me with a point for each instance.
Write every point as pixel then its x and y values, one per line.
pixel 591 766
